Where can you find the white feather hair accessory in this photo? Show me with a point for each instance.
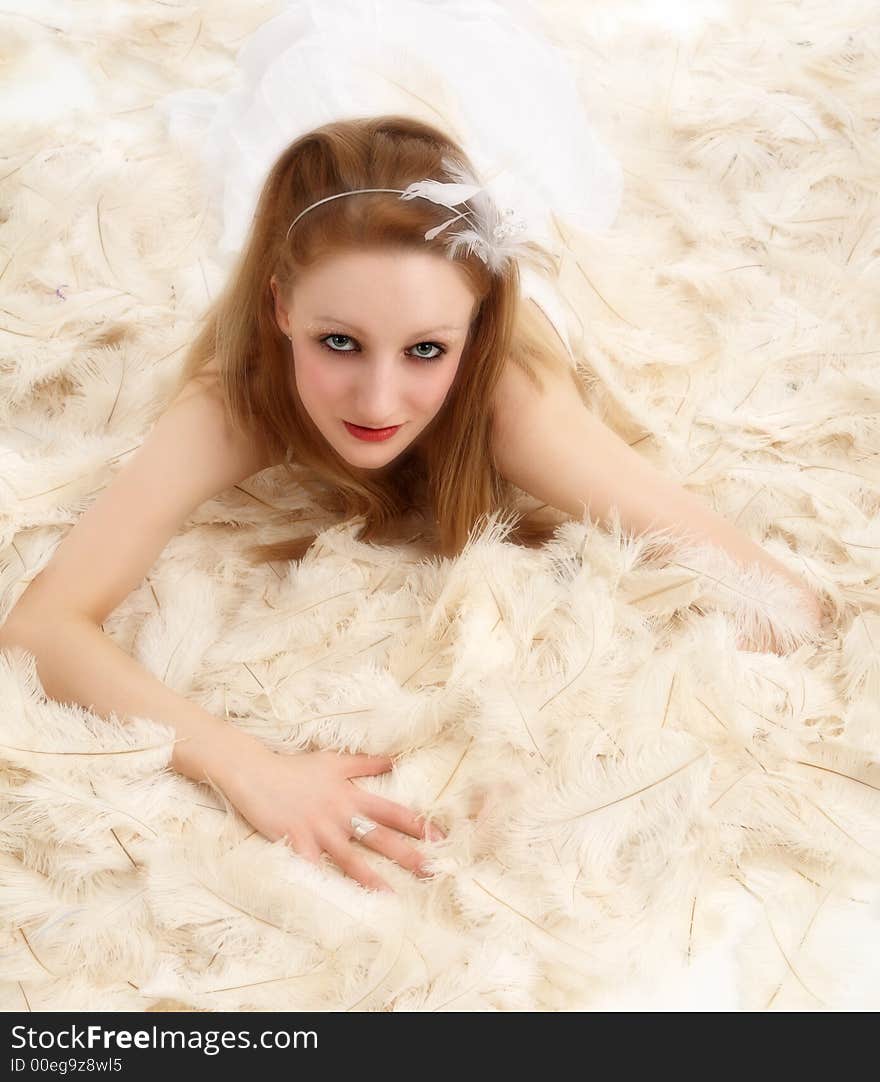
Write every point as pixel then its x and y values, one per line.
pixel 496 236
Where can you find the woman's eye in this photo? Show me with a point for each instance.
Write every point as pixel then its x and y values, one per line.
pixel 336 348
pixel 328 337
pixel 430 345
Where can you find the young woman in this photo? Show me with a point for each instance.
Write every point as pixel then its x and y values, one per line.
pixel 400 361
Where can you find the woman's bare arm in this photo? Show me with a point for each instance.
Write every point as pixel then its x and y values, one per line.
pixel 554 448
pixel 77 662
pixel 191 454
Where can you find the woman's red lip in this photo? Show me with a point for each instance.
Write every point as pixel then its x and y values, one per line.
pixel 370 434
pixel 374 428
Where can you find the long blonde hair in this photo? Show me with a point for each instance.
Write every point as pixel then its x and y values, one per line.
pixel 453 475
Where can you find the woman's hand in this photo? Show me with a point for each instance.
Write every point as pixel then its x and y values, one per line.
pixel 309 799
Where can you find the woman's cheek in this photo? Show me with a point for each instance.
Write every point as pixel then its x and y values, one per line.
pixel 316 380
pixel 441 388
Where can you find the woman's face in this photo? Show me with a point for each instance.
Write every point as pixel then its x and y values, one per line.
pixel 377 338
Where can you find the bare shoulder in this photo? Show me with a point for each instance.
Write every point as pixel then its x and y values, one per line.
pixel 523 392
pixel 238 454
pixel 190 455
pixel 242 453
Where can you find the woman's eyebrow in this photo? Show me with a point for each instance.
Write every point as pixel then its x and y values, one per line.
pixel 417 334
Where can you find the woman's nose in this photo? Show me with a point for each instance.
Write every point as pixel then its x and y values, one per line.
pixel 376 393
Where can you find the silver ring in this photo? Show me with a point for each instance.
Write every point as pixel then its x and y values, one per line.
pixel 361 826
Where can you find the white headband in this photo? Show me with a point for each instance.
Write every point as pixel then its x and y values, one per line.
pixel 495 237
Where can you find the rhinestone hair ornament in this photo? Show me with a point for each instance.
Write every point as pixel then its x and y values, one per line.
pixel 496 237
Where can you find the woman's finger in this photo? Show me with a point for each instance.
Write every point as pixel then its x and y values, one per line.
pixel 389 843
pixel 398 816
pixel 303 847
pixel 342 852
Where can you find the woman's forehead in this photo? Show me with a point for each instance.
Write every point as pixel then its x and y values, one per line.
pixel 430 289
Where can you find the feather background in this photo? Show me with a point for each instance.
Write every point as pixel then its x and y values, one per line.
pixel 641 814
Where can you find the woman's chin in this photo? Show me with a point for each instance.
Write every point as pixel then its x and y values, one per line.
pixel 371 459
pixel 375 456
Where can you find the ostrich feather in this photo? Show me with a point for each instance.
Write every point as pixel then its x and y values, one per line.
pixel 446 194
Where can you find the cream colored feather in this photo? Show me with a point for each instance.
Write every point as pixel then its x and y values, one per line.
pixel 641 814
